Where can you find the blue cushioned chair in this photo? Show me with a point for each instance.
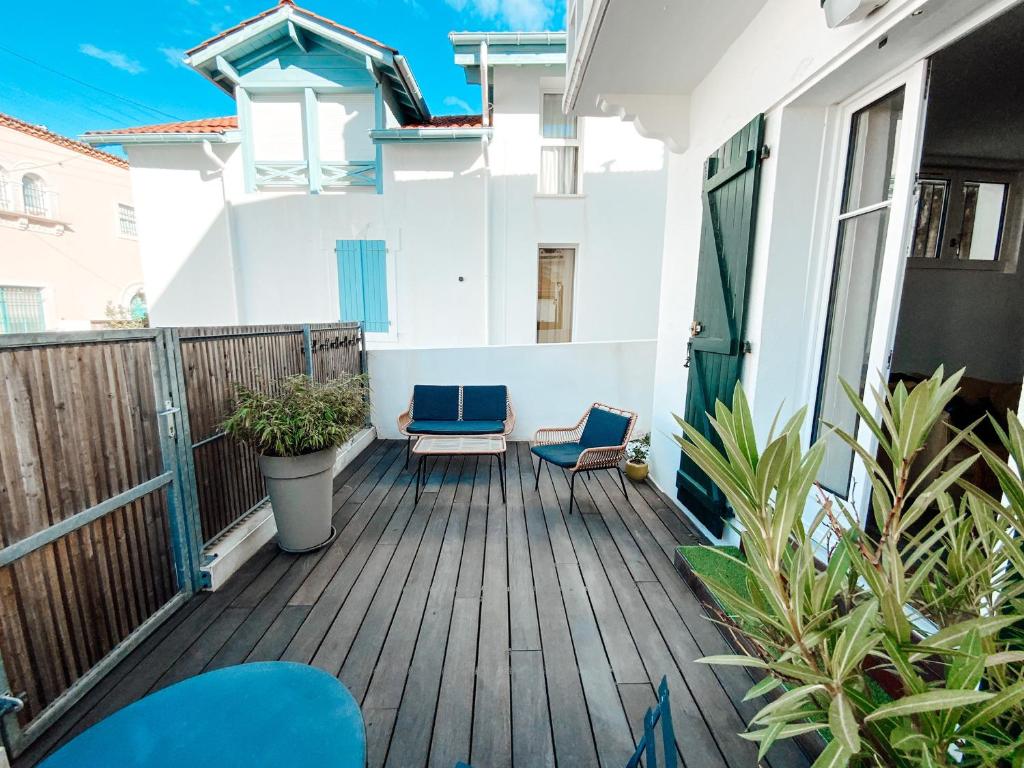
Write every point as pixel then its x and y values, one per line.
pixel 456 410
pixel 598 441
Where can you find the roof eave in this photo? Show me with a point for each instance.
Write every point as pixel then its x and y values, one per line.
pixel 124 139
pixel 397 135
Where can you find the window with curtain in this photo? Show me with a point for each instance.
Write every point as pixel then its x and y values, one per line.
pixel 559 153
pixel 34 196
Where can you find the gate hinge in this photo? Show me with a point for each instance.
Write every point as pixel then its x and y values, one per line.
pixel 746 348
pixel 766 151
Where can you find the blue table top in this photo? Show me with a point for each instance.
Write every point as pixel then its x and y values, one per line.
pixel 250 716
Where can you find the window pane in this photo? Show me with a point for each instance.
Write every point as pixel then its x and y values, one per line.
pixel 871 168
pixel 558 170
pixel 555 124
pixel 983 221
pixel 848 337
pixel 931 211
pixel 21 310
pixel 554 294
pixel 126 220
pixel 33 195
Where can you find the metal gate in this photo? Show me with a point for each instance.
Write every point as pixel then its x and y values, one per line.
pixel 99 538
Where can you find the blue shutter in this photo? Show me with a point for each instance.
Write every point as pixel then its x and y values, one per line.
pixel 350 280
pixel 363 283
pixel 375 286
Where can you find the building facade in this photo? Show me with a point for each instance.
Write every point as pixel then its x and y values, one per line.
pixel 844 201
pixel 334 193
pixel 68 240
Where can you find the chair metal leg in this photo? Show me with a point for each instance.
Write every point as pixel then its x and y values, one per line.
pixel 572 491
pixel 622 480
pixel 408 448
pixel 536 475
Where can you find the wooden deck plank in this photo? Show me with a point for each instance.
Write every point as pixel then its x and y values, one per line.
pixel 570 723
pixel 501 634
pixel 492 744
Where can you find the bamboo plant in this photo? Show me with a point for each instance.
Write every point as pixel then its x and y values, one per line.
pixel 929 598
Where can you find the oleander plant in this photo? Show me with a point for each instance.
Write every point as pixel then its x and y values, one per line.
pixel 900 641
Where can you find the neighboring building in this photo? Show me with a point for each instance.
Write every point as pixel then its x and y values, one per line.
pixel 68 242
pixel 871 224
pixel 335 194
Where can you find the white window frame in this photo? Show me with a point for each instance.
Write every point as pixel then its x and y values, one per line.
pixel 574 315
pixel 545 143
pixel 899 241
pixel 117 221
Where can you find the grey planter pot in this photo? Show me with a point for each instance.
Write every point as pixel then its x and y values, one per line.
pixel 300 491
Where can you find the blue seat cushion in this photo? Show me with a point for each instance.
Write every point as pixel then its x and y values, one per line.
pixel 604 429
pixel 453 427
pixel 563 454
pixel 489 403
pixel 435 403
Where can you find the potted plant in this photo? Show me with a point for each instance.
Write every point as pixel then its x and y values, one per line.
pixel 296 427
pixel 637 452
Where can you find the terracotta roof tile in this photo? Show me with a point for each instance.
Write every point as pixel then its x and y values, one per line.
pixel 203 125
pixel 304 12
pixel 450 121
pixel 39 132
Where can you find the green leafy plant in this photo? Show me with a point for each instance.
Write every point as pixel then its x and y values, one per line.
pixel 928 600
pixel 638 450
pixel 297 416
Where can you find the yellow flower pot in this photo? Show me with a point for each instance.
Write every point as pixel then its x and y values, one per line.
pixel 637 472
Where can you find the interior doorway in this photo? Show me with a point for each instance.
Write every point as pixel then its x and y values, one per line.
pixel 962 300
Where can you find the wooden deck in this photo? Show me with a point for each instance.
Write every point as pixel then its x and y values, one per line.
pixel 470 630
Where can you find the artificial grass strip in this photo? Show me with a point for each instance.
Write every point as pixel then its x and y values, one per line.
pixel 704 562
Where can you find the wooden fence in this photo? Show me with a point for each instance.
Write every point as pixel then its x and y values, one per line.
pixel 113 475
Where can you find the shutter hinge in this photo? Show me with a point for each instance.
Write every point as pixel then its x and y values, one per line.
pixel 766 151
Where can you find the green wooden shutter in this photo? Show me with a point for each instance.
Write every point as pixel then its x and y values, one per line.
pixel 716 347
pixel 363 284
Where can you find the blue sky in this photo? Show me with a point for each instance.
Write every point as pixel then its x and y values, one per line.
pixel 131 51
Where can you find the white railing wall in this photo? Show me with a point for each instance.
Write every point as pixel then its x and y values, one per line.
pixel 550 384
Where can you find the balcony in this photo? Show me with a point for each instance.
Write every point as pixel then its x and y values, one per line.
pixel 332 175
pixel 466 628
pixel 28 204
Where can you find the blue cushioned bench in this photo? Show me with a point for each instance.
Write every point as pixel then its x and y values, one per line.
pixel 457 410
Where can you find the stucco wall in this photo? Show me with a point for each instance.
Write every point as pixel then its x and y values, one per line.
pixel 617 221
pixel 551 385
pixel 88 265
pixel 788 64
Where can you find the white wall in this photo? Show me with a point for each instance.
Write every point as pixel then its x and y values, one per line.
pixel 788 64
pixel 269 257
pixel 617 222
pixel 550 384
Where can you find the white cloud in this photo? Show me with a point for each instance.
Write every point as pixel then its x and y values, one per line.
pixel 115 59
pixel 515 14
pixel 456 102
pixel 175 56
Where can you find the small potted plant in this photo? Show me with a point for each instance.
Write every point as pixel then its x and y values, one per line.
pixel 637 452
pixel 296 427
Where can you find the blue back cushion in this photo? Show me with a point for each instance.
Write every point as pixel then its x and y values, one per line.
pixel 604 429
pixel 432 403
pixel 484 403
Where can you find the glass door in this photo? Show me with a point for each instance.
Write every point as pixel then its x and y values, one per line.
pixel 870 234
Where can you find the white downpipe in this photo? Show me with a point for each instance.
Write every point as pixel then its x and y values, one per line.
pixel 221 166
pixel 485 143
